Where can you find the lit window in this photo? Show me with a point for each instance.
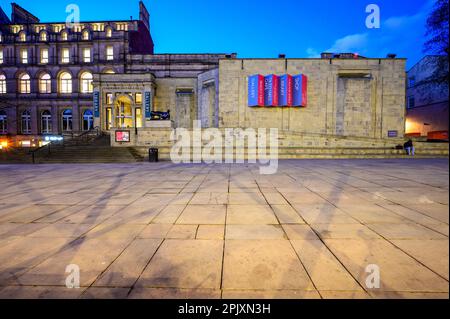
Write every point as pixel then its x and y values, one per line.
pixel 87 55
pixel 109 53
pixel 26 122
pixel 43 36
pixel 2 84
pixel 22 37
pixel 65 55
pixel 67 120
pixel 88 120
pixel 108 71
pixel 44 56
pixel 138 98
pixel 109 98
pixel 1 37
pixel 108 32
pixel 24 56
pixel 3 122
pixel 86 83
pixel 65 83
pixel 45 84
pixel 1 56
pixel 64 36
pixel 46 122
pixel 85 35
pixel 25 84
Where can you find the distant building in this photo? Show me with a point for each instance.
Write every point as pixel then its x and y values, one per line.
pixel 427 102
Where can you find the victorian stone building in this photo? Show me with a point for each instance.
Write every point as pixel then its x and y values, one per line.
pixel 105 75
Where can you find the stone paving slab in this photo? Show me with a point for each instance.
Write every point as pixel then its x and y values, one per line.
pixel 224 231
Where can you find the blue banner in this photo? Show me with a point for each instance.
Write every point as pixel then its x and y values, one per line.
pixel 148 105
pixel 298 90
pixel 96 104
pixel 256 90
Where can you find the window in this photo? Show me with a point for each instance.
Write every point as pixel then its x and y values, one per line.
pixel 109 71
pixel 1 56
pixel 85 35
pixel 2 84
pixel 88 120
pixel 24 84
pixel 65 83
pixel 64 36
pixel 45 84
pixel 86 83
pixel 87 55
pixel 43 36
pixel 411 82
pixel 26 122
pixel 138 98
pixel 22 36
pixel 46 122
pixel 67 120
pixel 3 122
pixel 65 55
pixel 108 32
pixel 411 102
pixel 24 56
pixel 1 37
pixel 109 53
pixel 109 98
pixel 44 56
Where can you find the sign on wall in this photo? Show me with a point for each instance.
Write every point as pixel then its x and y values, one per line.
pixel 273 90
pixel 123 136
pixel 256 90
pixel 148 105
pixel 96 97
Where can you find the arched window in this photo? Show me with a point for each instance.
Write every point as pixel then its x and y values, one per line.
pixel 22 36
pixel 67 120
pixel 109 71
pixel 64 36
pixel 3 122
pixel 2 84
pixel 85 35
pixel 24 84
pixel 46 122
pixel 108 32
pixel 88 120
pixel 45 83
pixel 86 83
pixel 26 122
pixel 65 83
pixel 43 36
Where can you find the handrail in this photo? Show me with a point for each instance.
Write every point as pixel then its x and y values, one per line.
pixel 34 152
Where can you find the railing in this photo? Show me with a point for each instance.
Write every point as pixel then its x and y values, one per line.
pixel 84 137
pixel 40 149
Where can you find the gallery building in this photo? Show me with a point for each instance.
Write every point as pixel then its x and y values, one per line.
pixel 56 80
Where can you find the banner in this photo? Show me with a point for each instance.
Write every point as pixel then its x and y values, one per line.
pixel 285 96
pixel 96 97
pixel 271 90
pixel 300 90
pixel 256 90
pixel 148 105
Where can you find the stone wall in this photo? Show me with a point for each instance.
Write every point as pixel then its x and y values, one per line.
pixel 356 98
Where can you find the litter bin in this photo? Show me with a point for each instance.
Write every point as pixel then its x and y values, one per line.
pixel 153 155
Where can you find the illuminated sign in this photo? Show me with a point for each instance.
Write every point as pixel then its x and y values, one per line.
pixel 123 136
pixel 96 96
pixel 273 90
pixel 256 90
pixel 54 138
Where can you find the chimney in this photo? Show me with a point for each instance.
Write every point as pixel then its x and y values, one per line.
pixel 281 56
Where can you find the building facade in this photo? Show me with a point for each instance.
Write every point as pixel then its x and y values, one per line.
pixel 427 101
pixel 58 80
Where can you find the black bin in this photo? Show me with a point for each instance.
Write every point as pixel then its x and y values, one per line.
pixel 153 155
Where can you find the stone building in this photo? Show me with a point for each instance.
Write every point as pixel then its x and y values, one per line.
pixel 427 101
pixel 55 80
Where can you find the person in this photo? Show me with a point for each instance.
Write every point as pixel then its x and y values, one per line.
pixel 409 147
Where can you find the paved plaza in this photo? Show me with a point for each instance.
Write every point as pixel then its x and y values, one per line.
pixel 225 231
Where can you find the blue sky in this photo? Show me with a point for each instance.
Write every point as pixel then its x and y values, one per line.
pixel 262 28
